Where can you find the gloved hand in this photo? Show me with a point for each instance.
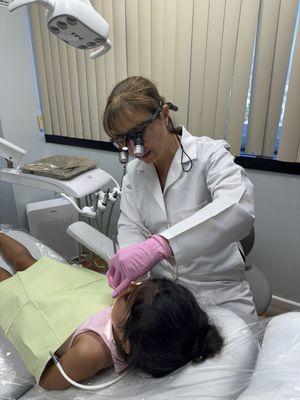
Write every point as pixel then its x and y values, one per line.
pixel 136 260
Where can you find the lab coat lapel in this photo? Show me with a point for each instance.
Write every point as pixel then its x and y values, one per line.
pixel 151 179
pixel 149 174
pixel 174 171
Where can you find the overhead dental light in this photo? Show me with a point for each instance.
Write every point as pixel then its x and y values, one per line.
pixel 74 21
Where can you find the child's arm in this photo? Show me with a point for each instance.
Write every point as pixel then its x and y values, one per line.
pixel 15 253
pixel 88 356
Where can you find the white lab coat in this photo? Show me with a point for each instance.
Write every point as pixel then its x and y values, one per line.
pixel 203 213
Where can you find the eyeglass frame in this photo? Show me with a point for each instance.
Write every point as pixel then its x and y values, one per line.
pixel 136 132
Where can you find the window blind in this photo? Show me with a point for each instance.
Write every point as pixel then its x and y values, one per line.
pixel 199 53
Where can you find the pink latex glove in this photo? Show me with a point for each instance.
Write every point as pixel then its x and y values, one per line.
pixel 136 260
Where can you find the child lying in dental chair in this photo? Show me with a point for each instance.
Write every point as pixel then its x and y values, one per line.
pixel 156 326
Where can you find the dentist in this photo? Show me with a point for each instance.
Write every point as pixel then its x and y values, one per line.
pixel 184 206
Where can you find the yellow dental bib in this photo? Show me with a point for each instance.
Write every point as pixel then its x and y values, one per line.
pixel 42 306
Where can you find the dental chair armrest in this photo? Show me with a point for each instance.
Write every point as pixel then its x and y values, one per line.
pixel 276 373
pixel 92 239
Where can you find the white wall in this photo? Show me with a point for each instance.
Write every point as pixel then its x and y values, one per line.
pixel 18 102
pixel 18 111
pixel 276 250
pixel 277 245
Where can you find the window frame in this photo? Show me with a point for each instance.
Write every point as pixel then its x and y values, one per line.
pixel 247 161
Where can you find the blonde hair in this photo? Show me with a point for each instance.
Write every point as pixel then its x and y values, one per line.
pixel 128 96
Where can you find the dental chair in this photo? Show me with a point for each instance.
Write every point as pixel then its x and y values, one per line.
pixel 242 371
pixel 259 285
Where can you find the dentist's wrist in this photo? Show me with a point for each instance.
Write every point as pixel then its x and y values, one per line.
pixel 163 247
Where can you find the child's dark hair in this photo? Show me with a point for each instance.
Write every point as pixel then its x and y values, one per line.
pixel 166 329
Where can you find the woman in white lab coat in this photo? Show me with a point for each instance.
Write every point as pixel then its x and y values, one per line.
pixel 184 204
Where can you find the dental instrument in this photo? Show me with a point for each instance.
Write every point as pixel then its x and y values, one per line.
pixel 75 22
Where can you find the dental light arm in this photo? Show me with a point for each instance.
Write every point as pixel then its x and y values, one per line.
pixel 14 5
pixel 75 22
